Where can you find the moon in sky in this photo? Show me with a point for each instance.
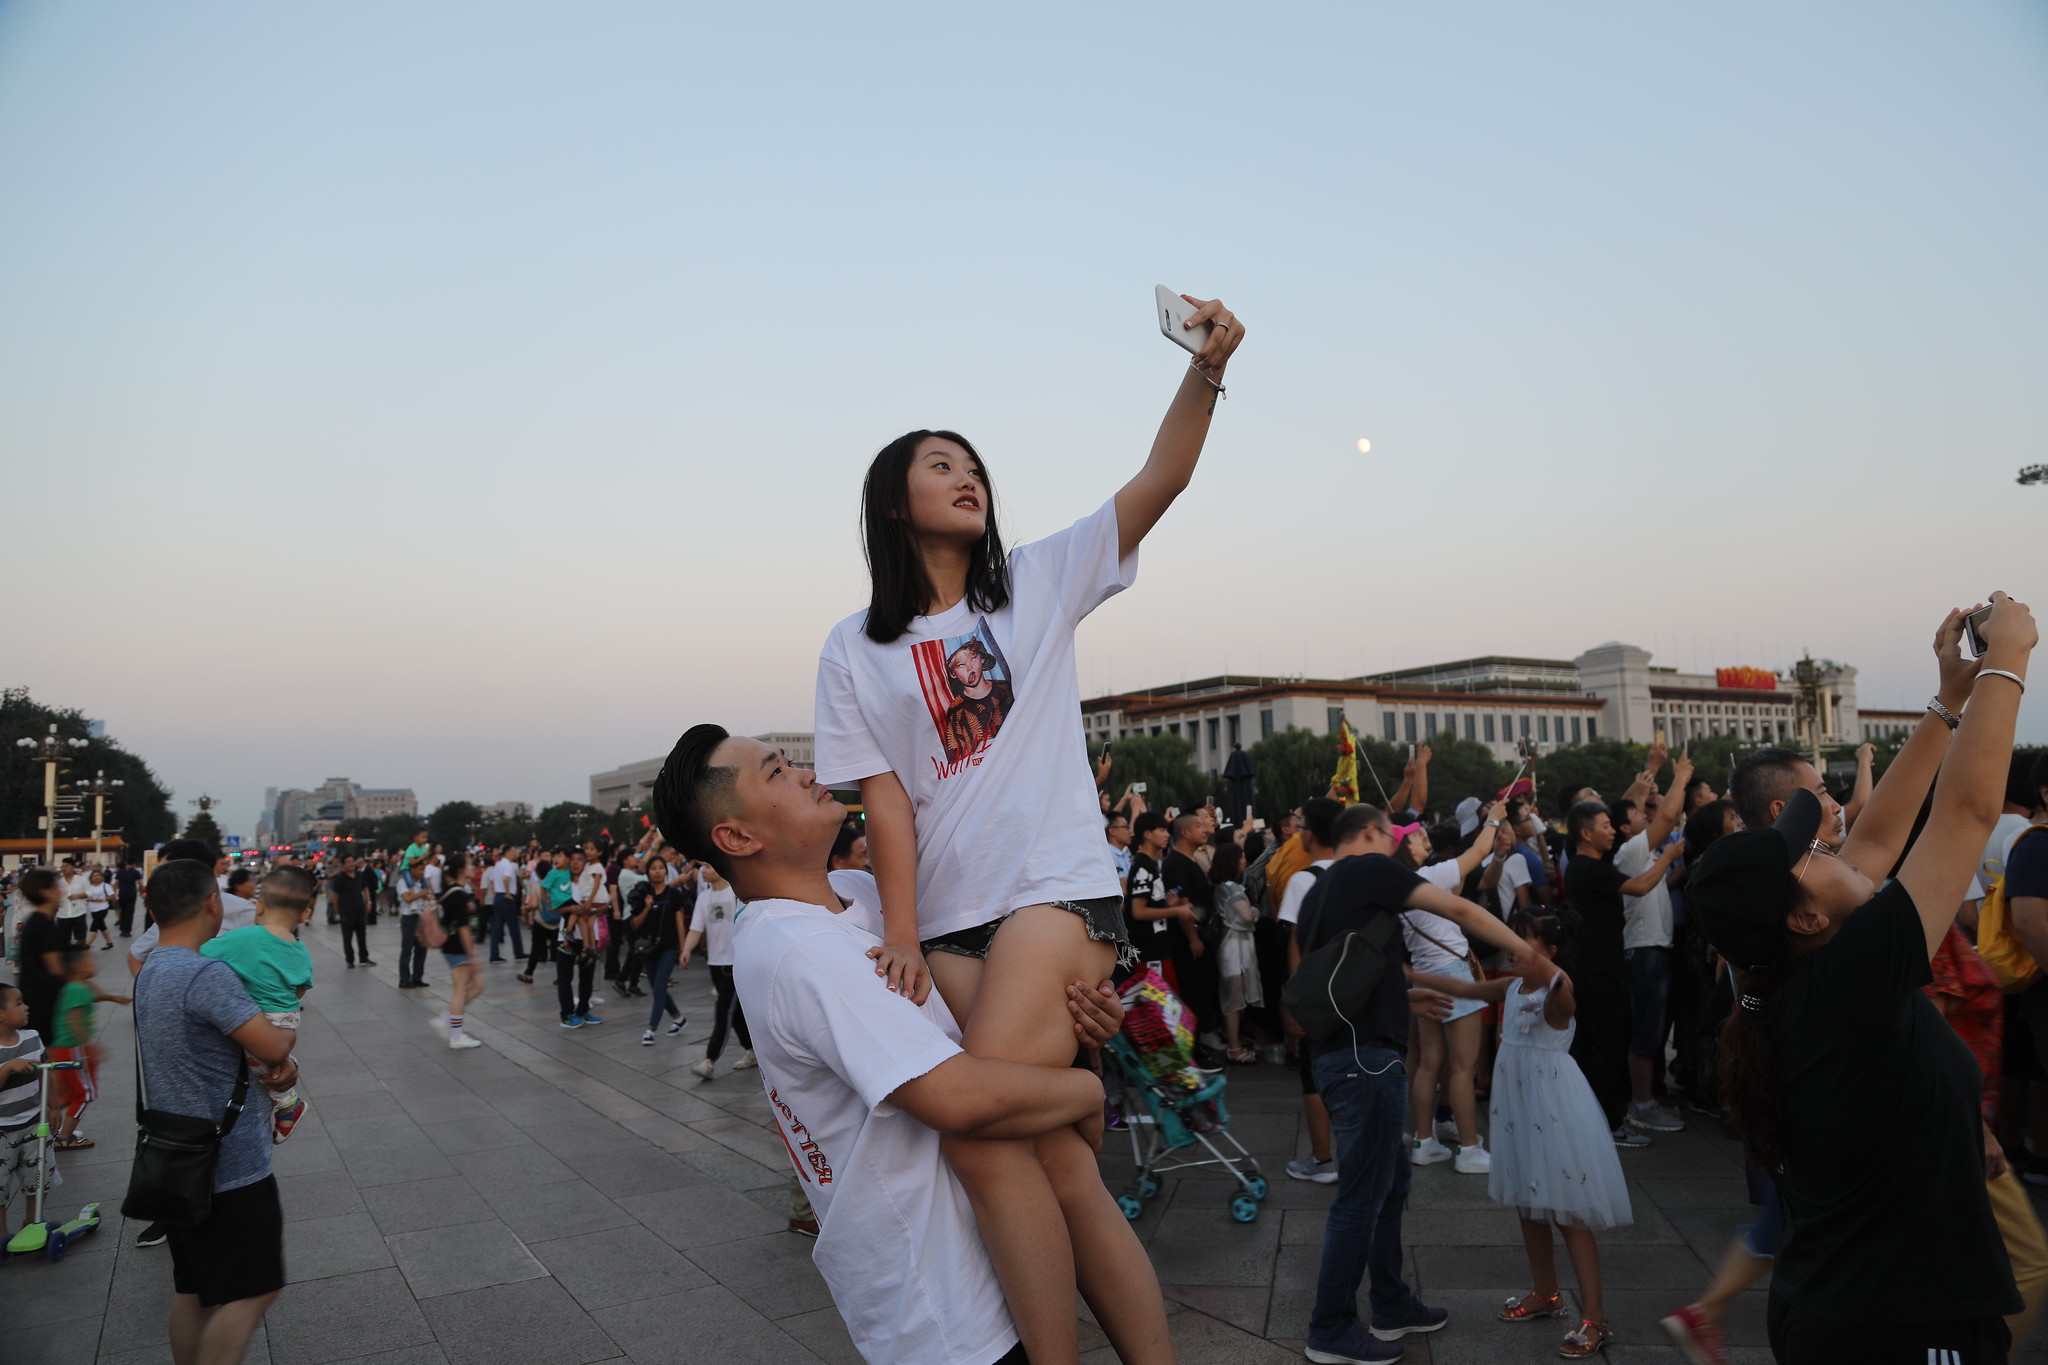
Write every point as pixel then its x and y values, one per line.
pixel 1364 446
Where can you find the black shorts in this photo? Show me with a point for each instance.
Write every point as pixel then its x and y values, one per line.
pixel 1104 916
pixel 238 1252
pixel 1801 1339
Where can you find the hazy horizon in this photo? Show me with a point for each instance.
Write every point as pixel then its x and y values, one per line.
pixel 470 398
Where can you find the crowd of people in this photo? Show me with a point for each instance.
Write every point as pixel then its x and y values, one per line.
pixel 926 993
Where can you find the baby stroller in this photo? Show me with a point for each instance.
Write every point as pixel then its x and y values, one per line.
pixel 1169 1106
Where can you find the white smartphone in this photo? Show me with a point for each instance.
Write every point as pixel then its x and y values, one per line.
pixel 1173 311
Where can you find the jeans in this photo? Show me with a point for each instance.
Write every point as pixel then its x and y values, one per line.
pixel 354 942
pixel 572 957
pixel 728 1002
pixel 504 920
pixel 1649 991
pixel 657 977
pixel 125 917
pixel 412 954
pixel 1368 1116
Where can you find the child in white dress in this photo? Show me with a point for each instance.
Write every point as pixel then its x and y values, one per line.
pixel 1553 1156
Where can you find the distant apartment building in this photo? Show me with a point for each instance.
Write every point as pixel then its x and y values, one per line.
pixel 508 810
pixel 1611 691
pixel 631 783
pixel 295 813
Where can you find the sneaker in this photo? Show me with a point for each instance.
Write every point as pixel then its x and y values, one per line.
pixel 152 1236
pixel 1699 1341
pixel 597 1000
pixel 1416 1317
pixel 1654 1118
pixel 589 1018
pixel 1321 1172
pixel 1447 1132
pixel 1355 1347
pixel 1273 1054
pixel 571 1021
pixel 1703 1109
pixel 1473 1160
pixel 1428 1151
pixel 441 1024
pixel 465 1041
pixel 704 1066
pixel 647 1038
pixel 282 1121
pixel 1626 1136
pixel 746 1061
pixel 676 1027
pixel 804 1227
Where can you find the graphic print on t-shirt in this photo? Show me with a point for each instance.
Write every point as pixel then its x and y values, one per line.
pixel 966 686
pixel 811 1162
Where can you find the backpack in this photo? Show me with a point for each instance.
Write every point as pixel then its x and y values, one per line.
pixel 1334 984
pixel 429 930
pixel 1997 943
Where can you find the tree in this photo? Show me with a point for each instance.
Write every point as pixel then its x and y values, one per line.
pixel 1459 768
pixel 390 833
pixel 1606 765
pixel 1166 765
pixel 451 823
pixel 205 829
pixel 140 808
pixel 1293 765
pixel 566 824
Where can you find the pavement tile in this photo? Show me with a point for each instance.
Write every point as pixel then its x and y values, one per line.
pixel 618 1266
pixel 420 1204
pixel 561 1208
pixel 57 1343
pixel 304 1154
pixel 323 1194
pixel 345 1244
pixel 527 1164
pixel 583 1137
pixel 39 1291
pixel 1198 1243
pixel 1243 1308
pixel 475 1133
pixel 345 1317
pixel 452 1260
pixel 822 1332
pixel 395 1163
pixel 709 1324
pixel 1199 1337
pixel 704 1216
pixel 519 1324
pixel 642 1170
pixel 736 1172
pixel 773 1273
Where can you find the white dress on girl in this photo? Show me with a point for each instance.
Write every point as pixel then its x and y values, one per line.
pixel 1553 1156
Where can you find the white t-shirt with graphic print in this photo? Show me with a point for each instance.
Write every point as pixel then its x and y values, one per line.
pixel 897 1244
pixel 977 714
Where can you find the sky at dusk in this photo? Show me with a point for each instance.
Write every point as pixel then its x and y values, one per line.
pixel 471 397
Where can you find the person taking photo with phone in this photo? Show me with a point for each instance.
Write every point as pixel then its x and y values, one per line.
pixel 951 699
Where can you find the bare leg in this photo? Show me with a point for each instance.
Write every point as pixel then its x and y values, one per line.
pixel 1230 1036
pixel 1641 1071
pixel 188 1322
pixel 1318 1127
pixel 1585 1254
pixel 1014 1008
pixel 1738 1271
pixel 1115 1274
pixel 1461 1064
pixel 1425 1064
pixel 1542 1257
pixel 225 1338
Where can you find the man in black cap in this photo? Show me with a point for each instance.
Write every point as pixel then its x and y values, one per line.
pixel 1842 1074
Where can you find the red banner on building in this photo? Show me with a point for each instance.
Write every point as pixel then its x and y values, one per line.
pixel 1749 679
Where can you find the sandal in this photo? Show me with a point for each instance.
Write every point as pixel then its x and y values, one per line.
pixel 1587 1339
pixel 1243 1056
pixel 72 1143
pixel 1532 1306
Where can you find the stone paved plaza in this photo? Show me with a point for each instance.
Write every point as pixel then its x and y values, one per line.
pixel 554 1198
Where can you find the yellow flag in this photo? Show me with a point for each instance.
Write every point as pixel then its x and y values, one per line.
pixel 1346 780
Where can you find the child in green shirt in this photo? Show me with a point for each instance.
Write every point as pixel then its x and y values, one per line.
pixel 75 1024
pixel 275 969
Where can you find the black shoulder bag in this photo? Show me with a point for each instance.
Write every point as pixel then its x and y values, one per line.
pixel 1331 989
pixel 171 1181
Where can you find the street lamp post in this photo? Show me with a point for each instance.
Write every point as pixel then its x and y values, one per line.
pixel 100 786
pixel 50 751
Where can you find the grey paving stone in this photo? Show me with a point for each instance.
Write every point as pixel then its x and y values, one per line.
pixel 1243 1308
pixel 1199 1337
pixel 822 1332
pixel 475 1133
pixel 304 1154
pixel 323 1194
pixel 445 1105
pixel 773 1273
pixel 345 1244
pixel 526 1164
pixel 452 1260
pixel 562 1208
pixel 420 1204
pixel 618 1266
pixel 52 1343
pixel 1496 1226
pixel 710 1324
pixel 40 1291
pixel 536 1323
pixel 642 1170
pixel 1501 1268
pixel 582 1137
pixel 702 1216
pixel 737 1172
pixel 345 1317
pixel 1197 1243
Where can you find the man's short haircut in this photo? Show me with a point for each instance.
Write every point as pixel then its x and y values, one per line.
pixel 2034 802
pixel 1622 809
pixel 691 795
pixel 1570 797
pixel 241 876
pixel 198 850
pixel 37 884
pixel 1349 822
pixel 1694 785
pixel 178 890
pixel 70 957
pixel 2023 780
pixel 1146 822
pixel 842 842
pixel 1582 818
pixel 1759 779
pixel 287 888
pixel 1185 824
pixel 1320 814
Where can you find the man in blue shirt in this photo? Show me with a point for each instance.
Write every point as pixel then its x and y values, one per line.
pixel 196 1025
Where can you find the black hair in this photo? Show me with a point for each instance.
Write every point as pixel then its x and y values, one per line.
pixel 198 850
pixel 690 794
pixel 36 883
pixel 1580 818
pixel 900 589
pixel 1546 929
pixel 1146 822
pixel 842 842
pixel 1184 822
pixel 1352 821
pixel 238 877
pixel 1760 778
pixel 1446 840
pixel 1621 809
pixel 1703 826
pixel 178 890
pixel 288 888
pixel 72 955
pixel 5 987
pixel 1227 865
pixel 1254 845
pixel 1695 785
pixel 1569 797
pixel 2036 780
pixel 1319 814
pixel 453 866
pixel 1516 805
